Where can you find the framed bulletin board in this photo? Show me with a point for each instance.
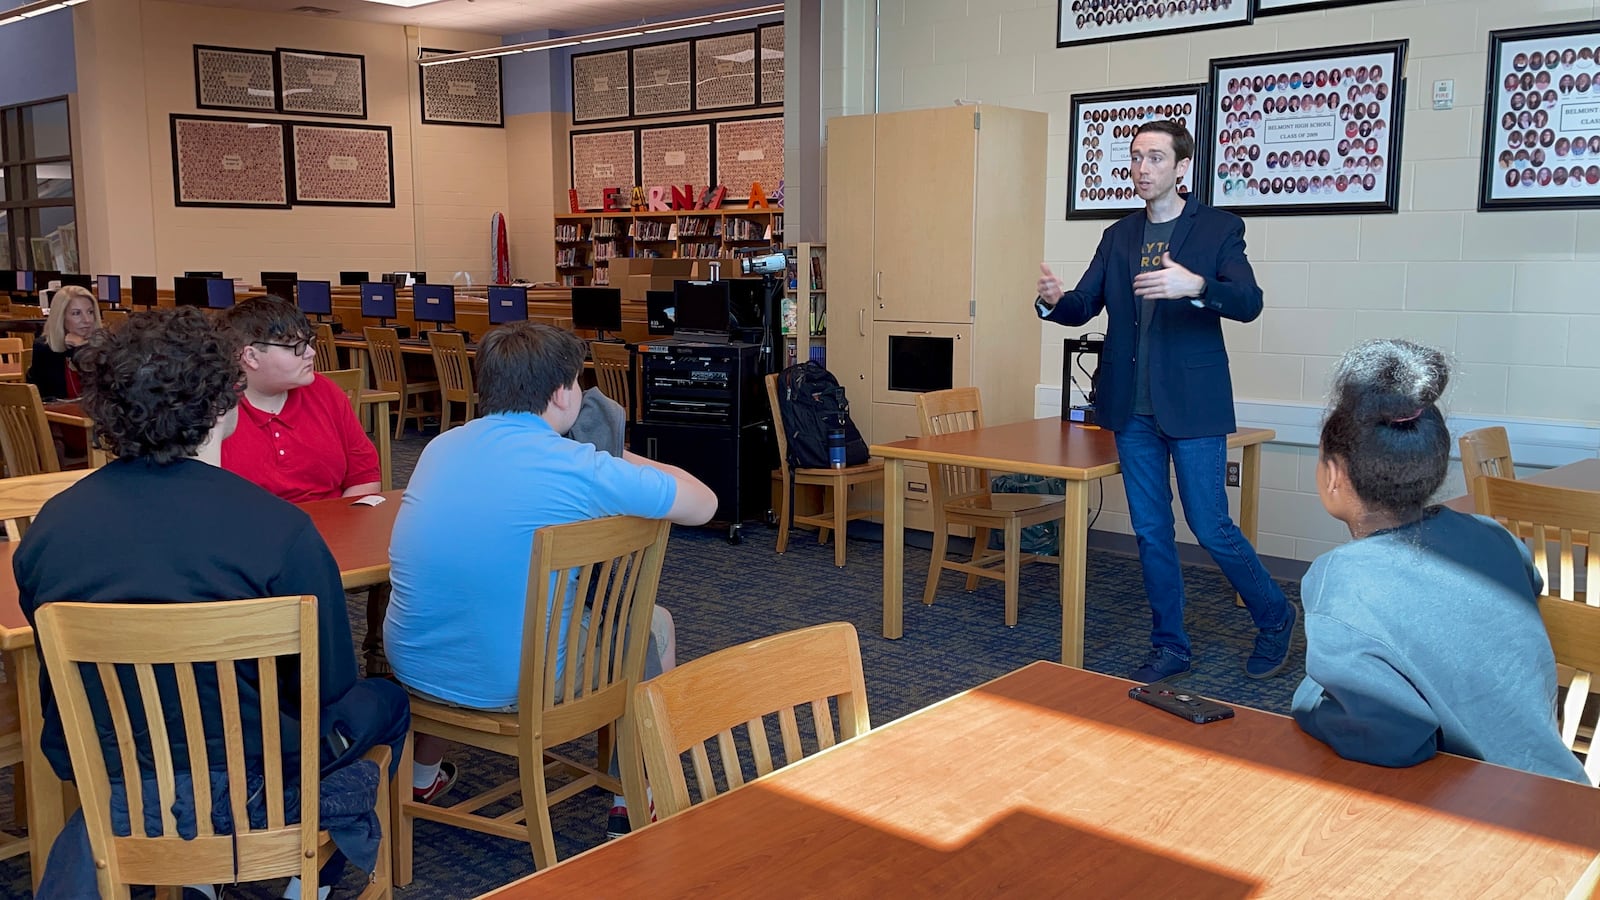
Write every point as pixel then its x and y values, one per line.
pixel 232 163
pixel 342 165
pixel 750 151
pixel 462 93
pixel 600 86
pixel 1099 181
pixel 1541 135
pixel 1310 131
pixel 231 78
pixel 318 83
pixel 603 159
pixel 1093 21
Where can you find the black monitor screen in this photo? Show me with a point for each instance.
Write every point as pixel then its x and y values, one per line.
pixel 921 364
pixel 597 308
pixel 144 290
pixel 746 298
pixel 352 279
pixel 507 304
pixel 315 298
pixel 659 309
pixel 434 303
pixel 377 300
pixel 418 277
pixel 187 291
pixel 76 280
pixel 270 277
pixel 219 293
pixel 8 279
pixel 206 274
pixel 108 289
pixel 280 287
pixel 42 279
pixel 702 309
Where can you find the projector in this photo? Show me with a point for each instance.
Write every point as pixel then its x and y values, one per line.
pixel 771 264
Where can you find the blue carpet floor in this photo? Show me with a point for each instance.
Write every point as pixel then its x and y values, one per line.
pixel 721 594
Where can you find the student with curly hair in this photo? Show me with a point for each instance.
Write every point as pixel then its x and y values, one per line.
pixel 1423 634
pixel 168 524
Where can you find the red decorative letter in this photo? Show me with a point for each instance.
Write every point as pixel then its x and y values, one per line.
pixel 610 199
pixel 758 197
pixel 683 199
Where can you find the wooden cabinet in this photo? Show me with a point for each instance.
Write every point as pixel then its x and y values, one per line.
pixel 935 231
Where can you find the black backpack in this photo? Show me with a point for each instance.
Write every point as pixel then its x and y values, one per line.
pixel 811 401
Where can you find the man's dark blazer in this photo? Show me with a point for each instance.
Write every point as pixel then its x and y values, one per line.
pixel 1190 388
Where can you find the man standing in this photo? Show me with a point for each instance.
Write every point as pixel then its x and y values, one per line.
pixel 459 553
pixel 1167 276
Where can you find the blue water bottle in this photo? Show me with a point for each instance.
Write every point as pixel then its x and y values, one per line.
pixel 836 443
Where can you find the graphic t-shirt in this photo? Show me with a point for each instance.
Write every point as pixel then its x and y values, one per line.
pixel 1156 239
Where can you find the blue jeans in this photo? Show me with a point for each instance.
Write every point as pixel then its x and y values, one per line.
pixel 1200 464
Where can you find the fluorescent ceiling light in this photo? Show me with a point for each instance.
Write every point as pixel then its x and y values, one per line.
pixel 596 37
pixel 408 4
pixel 36 8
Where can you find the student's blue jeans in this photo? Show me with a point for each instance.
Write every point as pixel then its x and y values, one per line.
pixel 1200 464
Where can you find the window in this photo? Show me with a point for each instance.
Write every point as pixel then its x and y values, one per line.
pixel 38 222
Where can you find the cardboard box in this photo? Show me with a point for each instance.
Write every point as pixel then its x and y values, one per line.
pixel 626 267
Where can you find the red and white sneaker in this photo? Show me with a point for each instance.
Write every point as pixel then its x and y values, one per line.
pixel 441 783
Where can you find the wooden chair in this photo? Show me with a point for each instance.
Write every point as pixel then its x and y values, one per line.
pixel 15 357
pixel 349 381
pixel 612 375
pixel 618 560
pixel 1574 630
pixel 13 757
pixel 25 439
pixel 327 353
pixel 183 641
pixel 961 496
pixel 454 366
pixel 23 496
pixel 389 371
pixel 1486 451
pixel 685 708
pixel 836 485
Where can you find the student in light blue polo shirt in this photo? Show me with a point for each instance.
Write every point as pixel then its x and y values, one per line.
pixel 459 554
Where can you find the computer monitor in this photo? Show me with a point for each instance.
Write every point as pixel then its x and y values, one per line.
pixel 434 303
pixel 354 279
pixel 597 308
pixel 398 279
pixel 659 311
pixel 144 290
pixel 315 298
pixel 702 308
pixel 418 277
pixel 279 287
pixel 219 293
pixel 25 281
pixel 205 274
pixel 76 279
pixel 189 291
pixel 42 279
pixel 508 303
pixel 747 297
pixel 377 301
pixel 269 277
pixel 8 280
pixel 108 289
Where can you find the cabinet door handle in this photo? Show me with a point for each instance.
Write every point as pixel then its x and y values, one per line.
pixel 861 322
pixel 877 286
pixel 913 331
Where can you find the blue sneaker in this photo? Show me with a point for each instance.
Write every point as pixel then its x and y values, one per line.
pixel 1161 665
pixel 1272 647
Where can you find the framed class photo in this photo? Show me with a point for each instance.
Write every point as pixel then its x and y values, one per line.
pixel 1092 21
pixel 1307 132
pixel 1276 7
pixel 1100 183
pixel 1541 135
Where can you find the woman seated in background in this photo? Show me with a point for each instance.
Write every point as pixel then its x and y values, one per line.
pixel 1422 634
pixel 74 315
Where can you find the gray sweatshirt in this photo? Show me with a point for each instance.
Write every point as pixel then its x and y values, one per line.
pixel 1425 638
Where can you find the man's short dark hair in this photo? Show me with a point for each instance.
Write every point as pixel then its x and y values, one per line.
pixel 267 318
pixel 156 385
pixel 1182 140
pixel 522 365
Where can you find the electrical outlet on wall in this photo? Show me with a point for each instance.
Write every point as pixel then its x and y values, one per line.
pixel 1233 474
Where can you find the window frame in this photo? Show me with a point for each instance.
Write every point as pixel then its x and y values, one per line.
pixel 19 222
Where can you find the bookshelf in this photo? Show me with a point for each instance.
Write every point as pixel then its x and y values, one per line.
pixel 805 301
pixel 586 242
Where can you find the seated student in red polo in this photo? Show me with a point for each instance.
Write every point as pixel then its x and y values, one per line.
pixel 297 435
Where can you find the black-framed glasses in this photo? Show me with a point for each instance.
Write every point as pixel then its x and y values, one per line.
pixel 298 348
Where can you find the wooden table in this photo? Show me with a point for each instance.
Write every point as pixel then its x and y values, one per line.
pixel 1049 781
pixel 1050 447
pixel 1583 475
pixel 358 536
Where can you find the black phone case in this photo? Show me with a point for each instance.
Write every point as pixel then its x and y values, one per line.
pixel 1193 707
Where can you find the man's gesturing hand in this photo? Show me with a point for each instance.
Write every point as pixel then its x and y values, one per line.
pixel 1049 286
pixel 1170 282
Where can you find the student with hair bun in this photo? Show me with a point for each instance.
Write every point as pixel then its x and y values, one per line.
pixel 1423 634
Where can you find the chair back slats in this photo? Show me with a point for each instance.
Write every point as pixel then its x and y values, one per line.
pixel 611 373
pixel 707 700
pixel 22 497
pixel 25 438
pixel 1574 630
pixel 153 659
pixel 1486 451
pixel 779 436
pixel 948 412
pixel 349 381
pixel 454 367
pixel 1548 517
pixel 388 367
pixel 327 353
